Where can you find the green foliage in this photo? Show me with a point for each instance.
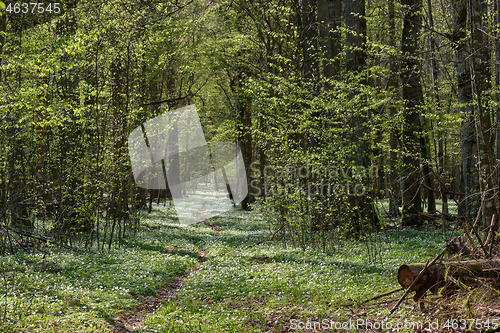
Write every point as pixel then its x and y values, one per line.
pixel 321 148
pixel 74 86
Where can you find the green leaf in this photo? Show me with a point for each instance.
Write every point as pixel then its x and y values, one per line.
pixel 2 5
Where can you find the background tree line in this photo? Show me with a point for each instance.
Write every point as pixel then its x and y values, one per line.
pixel 336 104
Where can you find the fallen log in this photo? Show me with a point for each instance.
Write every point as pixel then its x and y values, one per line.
pixel 434 276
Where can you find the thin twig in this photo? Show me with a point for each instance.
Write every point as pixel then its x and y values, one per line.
pixel 387 293
pixel 489 239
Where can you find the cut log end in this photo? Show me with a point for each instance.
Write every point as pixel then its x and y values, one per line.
pixel 408 273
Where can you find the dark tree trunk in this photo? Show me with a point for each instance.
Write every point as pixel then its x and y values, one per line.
pixel 355 44
pixel 309 34
pixel 247 150
pixel 497 74
pixel 469 184
pixel 428 176
pixel 473 72
pixel 426 141
pixel 435 97
pixel 413 100
pixel 394 87
pixel 244 114
pixel 479 61
pixel 329 20
pixel 355 39
pixel 497 83
pixel 3 26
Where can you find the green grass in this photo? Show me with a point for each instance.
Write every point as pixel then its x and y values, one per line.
pixel 68 292
pixel 250 287
pixel 248 284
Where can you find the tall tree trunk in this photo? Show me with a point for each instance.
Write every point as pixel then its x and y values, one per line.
pixel 426 153
pixel 480 78
pixel 355 44
pixel 497 83
pixel 355 39
pixel 329 44
pixel 394 87
pixel 428 176
pixel 329 19
pixel 497 74
pixel 245 138
pixel 413 100
pixel 3 155
pixel 441 133
pixel 469 184
pixel 247 149
pixel 309 37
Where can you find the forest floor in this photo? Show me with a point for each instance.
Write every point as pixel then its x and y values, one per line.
pixel 224 275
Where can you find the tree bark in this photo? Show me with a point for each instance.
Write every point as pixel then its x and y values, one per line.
pixel 479 61
pixel 497 74
pixel 469 176
pixel 497 83
pixel 355 45
pixel 413 100
pixel 431 198
pixel 394 86
pixel 426 155
pixel 355 39
pixel 309 34
pixel 245 138
pixel 3 27
pixel 329 19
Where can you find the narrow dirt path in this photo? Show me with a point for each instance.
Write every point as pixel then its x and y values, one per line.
pixel 132 322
